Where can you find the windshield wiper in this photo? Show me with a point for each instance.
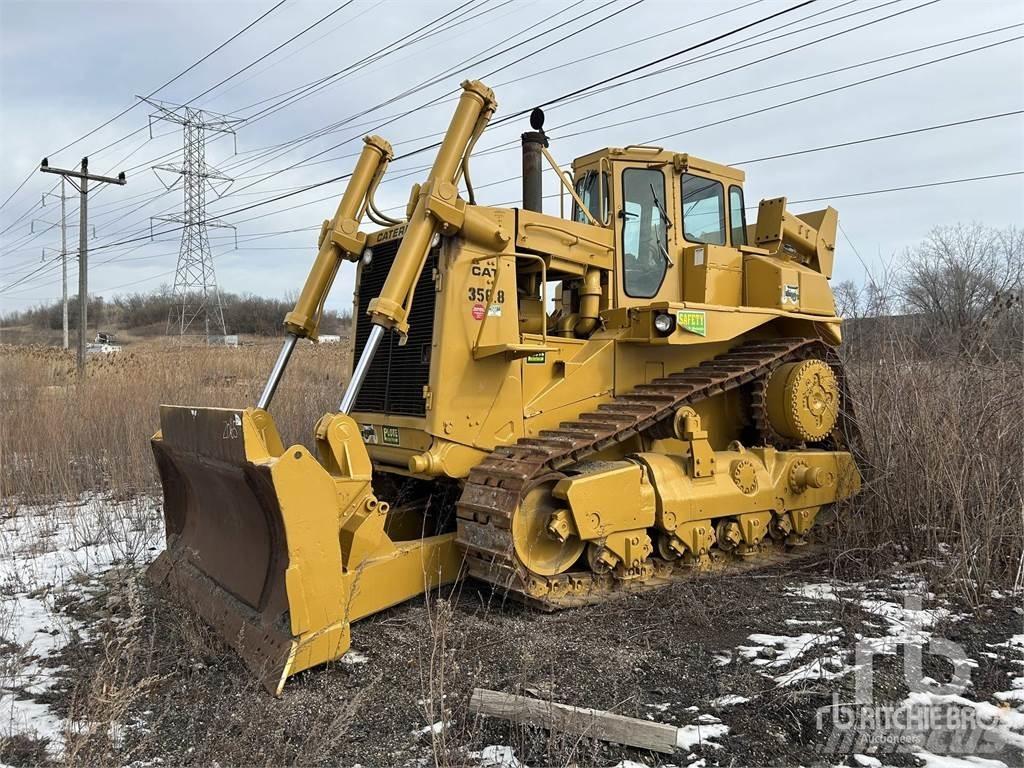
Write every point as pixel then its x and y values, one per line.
pixel 661 209
pixel 668 223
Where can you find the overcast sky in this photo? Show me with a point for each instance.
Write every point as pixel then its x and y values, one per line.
pixel 68 67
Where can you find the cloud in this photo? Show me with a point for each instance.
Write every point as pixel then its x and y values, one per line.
pixel 50 96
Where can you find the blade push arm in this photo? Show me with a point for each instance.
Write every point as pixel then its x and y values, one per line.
pixel 340 238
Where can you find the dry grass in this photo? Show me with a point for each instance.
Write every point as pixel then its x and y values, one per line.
pixel 943 437
pixel 942 450
pixel 60 437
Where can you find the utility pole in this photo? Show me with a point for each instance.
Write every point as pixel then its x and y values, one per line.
pixel 82 185
pixel 63 255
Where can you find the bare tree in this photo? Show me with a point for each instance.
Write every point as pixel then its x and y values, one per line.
pixel 966 280
pixel 848 299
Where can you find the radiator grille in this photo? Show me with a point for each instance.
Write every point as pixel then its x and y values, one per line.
pixel 394 384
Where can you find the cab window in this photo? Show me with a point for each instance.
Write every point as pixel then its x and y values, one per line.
pixel 737 216
pixel 644 232
pixel 587 189
pixel 703 210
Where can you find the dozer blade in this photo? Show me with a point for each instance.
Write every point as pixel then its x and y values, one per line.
pixel 274 551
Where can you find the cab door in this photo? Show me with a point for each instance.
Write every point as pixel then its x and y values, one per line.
pixel 644 198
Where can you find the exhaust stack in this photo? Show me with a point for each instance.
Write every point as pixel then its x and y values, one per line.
pixel 533 169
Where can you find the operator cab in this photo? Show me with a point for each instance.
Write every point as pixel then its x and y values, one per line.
pixel 661 204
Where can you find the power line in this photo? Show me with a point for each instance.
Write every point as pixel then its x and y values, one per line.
pixel 647 38
pixel 762 89
pixel 291 39
pixel 804 151
pixel 314 86
pixel 761 60
pixel 713 54
pixel 879 138
pixel 660 59
pixel 422 149
pixel 128 109
pixel 836 89
pixel 303 189
pixel 378 55
pixel 908 187
pixel 9 197
pixel 509 145
pixel 515 142
pixel 314 41
pixel 887 190
pixel 433 80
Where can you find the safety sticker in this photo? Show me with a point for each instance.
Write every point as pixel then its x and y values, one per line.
pixel 494 310
pixel 790 294
pixel 698 257
pixel 390 435
pixel 693 320
pixel 478 311
pixel 537 358
pixel 368 434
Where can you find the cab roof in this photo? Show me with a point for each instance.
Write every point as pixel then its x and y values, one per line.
pixel 647 154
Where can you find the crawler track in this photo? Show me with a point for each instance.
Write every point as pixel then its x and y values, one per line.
pixel 496 487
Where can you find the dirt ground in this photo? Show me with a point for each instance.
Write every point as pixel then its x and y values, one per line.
pixel 145 684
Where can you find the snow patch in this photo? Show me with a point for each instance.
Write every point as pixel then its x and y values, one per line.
pixel 496 756
pixel 948 761
pixel 830 667
pixel 698 735
pixel 815 592
pixel 1016 690
pixel 429 729
pixel 867 761
pixel 49 552
pixel 729 700
pixel 904 625
pixel 1006 723
pixel 780 650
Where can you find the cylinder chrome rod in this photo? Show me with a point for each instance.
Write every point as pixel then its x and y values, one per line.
pixel 362 367
pixel 277 372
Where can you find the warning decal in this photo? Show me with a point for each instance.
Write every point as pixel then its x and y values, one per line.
pixel 693 320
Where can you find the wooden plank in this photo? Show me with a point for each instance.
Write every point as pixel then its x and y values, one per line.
pixel 592 723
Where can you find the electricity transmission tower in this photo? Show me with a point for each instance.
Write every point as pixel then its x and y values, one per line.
pixel 196 307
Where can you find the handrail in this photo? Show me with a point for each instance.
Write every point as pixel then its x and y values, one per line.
pixel 570 238
pixel 561 195
pixel 568 186
pixel 604 196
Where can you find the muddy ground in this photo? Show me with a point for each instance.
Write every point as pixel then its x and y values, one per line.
pixel 146 684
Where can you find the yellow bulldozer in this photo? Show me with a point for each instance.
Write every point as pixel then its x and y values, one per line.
pixel 565 407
